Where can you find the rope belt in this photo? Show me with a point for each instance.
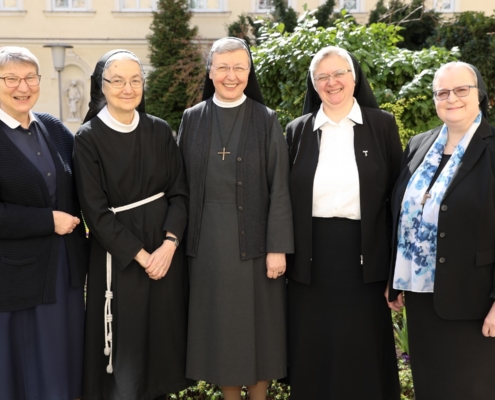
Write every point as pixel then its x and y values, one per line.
pixel 109 293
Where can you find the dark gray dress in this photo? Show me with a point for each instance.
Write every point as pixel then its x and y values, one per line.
pixel 237 314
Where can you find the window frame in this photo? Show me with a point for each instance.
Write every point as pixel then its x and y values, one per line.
pixel 69 8
pixel 206 10
pixel 137 9
pixel 16 8
pixel 442 2
pixel 264 10
pixel 357 9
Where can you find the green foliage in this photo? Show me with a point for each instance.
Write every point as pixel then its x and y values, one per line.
pixel 244 28
pixel 474 33
pixel 400 78
pixel 405 378
pixel 178 68
pixel 206 391
pixel 419 23
pixel 324 14
pixel 400 330
pixel 285 15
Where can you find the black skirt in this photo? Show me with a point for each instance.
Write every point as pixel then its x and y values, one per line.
pixel 341 343
pixel 450 360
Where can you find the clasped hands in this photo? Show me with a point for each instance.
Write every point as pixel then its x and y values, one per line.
pixel 157 263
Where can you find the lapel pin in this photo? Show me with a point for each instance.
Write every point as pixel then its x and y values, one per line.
pixel 365 153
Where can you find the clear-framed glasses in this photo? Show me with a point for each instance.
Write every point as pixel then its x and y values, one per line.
pixel 224 69
pixel 339 74
pixel 15 81
pixel 459 91
pixel 118 83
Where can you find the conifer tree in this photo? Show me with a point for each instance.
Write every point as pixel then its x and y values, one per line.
pixel 178 67
pixel 325 14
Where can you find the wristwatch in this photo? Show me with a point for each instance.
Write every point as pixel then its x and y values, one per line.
pixel 173 239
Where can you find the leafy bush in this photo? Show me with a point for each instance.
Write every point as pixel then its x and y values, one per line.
pixel 400 78
pixel 419 23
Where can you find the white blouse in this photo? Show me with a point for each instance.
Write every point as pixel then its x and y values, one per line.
pixel 336 181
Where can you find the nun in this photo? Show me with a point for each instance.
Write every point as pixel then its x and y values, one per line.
pixel 345 157
pixel 133 195
pixel 444 233
pixel 240 228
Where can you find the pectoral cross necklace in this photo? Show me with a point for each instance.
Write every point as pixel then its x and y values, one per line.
pixel 426 196
pixel 224 152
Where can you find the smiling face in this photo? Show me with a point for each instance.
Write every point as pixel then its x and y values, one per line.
pixel 335 94
pixel 122 102
pixel 17 102
pixel 457 112
pixel 230 87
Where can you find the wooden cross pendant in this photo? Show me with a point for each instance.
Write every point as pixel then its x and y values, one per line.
pixel 223 153
pixel 426 196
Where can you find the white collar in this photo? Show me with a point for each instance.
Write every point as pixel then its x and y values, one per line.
pixel 111 122
pixel 354 115
pixel 11 122
pixel 225 104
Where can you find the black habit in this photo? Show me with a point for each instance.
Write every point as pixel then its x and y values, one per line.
pixel 341 342
pixel 114 169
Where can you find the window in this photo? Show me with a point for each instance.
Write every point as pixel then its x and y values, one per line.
pixel 9 5
pixel 267 5
pixel 206 5
pixel 69 5
pixel 444 5
pixel 137 5
pixel 350 5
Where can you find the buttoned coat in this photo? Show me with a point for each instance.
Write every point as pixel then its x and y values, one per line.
pixel 28 242
pixel 465 261
pixel 378 153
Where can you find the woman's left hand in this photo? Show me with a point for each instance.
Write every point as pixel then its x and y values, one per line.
pixel 275 265
pixel 488 329
pixel 160 260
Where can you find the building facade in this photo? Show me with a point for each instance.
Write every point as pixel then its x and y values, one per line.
pixel 94 27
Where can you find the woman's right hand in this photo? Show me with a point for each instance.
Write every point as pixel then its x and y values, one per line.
pixel 64 223
pixel 398 303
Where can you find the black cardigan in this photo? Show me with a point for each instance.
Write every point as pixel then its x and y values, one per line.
pixel 29 246
pixel 264 217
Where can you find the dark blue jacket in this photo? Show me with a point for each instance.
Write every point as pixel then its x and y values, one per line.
pixel 29 246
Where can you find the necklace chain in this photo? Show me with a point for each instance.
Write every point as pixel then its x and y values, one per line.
pixel 224 152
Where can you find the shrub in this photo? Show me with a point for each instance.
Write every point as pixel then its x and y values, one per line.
pixel 474 33
pixel 400 78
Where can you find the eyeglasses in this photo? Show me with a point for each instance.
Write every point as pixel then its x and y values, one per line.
pixel 224 69
pixel 459 91
pixel 120 83
pixel 339 74
pixel 15 81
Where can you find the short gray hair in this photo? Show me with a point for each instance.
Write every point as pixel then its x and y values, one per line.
pixel 226 45
pixel 18 55
pixel 451 65
pixel 327 52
